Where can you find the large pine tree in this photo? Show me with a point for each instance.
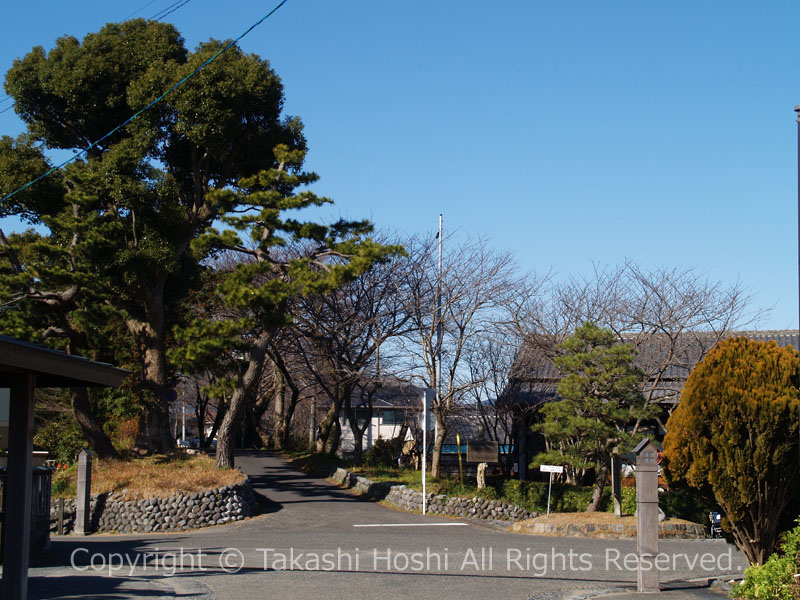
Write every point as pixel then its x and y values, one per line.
pixel 138 198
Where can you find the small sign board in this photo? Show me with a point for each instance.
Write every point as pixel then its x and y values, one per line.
pixel 482 452
pixel 551 469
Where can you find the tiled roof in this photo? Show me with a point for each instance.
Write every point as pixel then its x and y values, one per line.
pixel 666 360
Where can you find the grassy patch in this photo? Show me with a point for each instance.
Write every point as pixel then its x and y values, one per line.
pixel 149 477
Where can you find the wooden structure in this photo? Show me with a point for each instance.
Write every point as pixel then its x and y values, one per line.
pixel 23 368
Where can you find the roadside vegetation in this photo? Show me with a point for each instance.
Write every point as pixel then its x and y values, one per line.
pixel 148 477
pixel 531 495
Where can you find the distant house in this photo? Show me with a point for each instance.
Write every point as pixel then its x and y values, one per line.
pixel 666 361
pixel 395 410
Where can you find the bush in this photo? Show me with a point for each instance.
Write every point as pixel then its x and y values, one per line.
pixel 383 452
pixel 774 580
pixel 62 438
pixel 677 503
pixel 532 495
pixel 733 439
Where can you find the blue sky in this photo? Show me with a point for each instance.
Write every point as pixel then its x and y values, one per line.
pixel 567 132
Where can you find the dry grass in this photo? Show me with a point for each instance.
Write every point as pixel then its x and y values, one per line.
pixel 583 518
pixel 155 476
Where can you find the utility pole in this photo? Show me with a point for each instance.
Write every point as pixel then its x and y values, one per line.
pixel 439 332
pixel 797 111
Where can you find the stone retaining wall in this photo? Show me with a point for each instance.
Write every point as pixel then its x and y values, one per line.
pixel 404 498
pixel 666 530
pixel 117 513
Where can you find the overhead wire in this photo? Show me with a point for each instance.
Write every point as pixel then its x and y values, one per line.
pixel 153 103
pixel 169 10
pixel 138 10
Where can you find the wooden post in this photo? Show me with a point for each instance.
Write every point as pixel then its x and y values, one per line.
pixel 17 523
pixel 83 508
pixel 647 515
pixel 312 428
pixel 60 516
pixel 616 482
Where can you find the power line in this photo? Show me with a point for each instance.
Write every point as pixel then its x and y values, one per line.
pixel 153 103
pixel 138 10
pixel 169 10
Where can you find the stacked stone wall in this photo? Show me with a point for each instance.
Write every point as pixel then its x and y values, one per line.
pixel 404 498
pixel 118 513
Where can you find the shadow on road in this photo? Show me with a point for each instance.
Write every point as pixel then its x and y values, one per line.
pixel 274 480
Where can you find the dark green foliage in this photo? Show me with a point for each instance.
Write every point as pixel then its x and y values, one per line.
pixel 676 503
pixel 685 504
pixel 383 452
pixel 61 437
pixel 532 495
pixel 733 439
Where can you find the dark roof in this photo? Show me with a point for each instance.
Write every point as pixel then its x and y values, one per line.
pixel 54 368
pixel 666 360
pixel 393 394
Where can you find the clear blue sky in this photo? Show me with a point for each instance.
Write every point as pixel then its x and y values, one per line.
pixel 568 132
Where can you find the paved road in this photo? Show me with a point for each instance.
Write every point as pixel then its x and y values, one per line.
pixel 317 540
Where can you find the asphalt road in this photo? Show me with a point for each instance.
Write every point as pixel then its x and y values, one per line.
pixel 319 541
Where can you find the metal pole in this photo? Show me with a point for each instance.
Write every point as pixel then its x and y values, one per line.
pixel 549 489
pixel 797 111
pixel 183 422
pixel 460 467
pixel 439 331
pixel 424 448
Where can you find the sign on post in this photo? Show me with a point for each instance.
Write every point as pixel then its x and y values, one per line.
pixel 482 452
pixel 550 469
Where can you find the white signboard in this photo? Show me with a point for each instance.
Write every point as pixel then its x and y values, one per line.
pixel 551 469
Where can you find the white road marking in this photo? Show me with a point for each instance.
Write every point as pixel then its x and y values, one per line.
pixel 413 525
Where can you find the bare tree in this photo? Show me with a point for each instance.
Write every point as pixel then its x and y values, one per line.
pixel 449 313
pixel 340 336
pixel 672 316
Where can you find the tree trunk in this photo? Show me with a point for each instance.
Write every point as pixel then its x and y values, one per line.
pixel 325 427
pixel 154 434
pixel 437 443
pixel 92 431
pixel 278 410
pixel 255 413
pixel 335 437
pixel 288 414
pixel 599 485
pixel 246 386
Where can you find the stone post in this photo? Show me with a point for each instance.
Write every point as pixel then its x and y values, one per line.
pixel 647 515
pixel 83 508
pixel 482 475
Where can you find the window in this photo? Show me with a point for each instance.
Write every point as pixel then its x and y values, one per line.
pixel 393 416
